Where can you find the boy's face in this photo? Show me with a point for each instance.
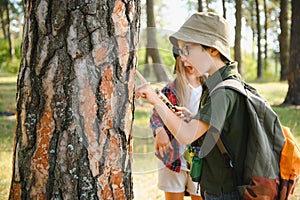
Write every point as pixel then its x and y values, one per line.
pixel 195 55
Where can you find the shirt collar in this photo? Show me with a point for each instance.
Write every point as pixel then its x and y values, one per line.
pixel 228 71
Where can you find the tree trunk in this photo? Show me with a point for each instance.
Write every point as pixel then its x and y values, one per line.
pixel 224 8
pixel 252 24
pixel 266 35
pixel 238 35
pixel 200 6
pixel 293 94
pixel 152 46
pixel 284 40
pixel 10 36
pixel 3 24
pixel 259 60
pixel 207 5
pixel 75 100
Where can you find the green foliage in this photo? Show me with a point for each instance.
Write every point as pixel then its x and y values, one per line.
pixel 4 51
pixel 166 55
pixel 8 64
pixel 270 71
pixel 249 67
pixel 11 66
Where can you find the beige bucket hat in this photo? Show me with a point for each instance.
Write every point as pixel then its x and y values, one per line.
pixel 206 28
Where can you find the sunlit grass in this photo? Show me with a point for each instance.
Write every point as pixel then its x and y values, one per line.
pixel 8 93
pixel 5 173
pixel 8 79
pixel 274 92
pixel 6 149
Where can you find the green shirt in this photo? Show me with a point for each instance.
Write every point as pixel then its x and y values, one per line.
pixel 226 113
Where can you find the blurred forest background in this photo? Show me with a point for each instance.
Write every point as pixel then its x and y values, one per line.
pixel 266 23
pixel 261 31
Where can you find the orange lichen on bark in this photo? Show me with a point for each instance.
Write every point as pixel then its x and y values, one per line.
pixel 129 108
pixel 120 19
pixel 114 187
pixel 15 191
pixel 106 90
pixel 100 55
pixel 89 109
pixel 114 160
pixel 106 87
pixel 118 187
pixel 124 50
pixel 112 174
pixel 40 162
pixel 107 193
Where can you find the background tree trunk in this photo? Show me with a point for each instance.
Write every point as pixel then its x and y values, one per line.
pixel 293 94
pixel 152 46
pixel 3 23
pixel 252 25
pixel 224 8
pixel 259 60
pixel 200 6
pixel 238 36
pixel 284 40
pixel 11 47
pixel 75 100
pixel 207 2
pixel 266 25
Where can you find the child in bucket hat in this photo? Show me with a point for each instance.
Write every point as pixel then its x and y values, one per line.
pixel 208 29
pixel 203 43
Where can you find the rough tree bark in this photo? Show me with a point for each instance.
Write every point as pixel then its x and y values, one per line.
pixel 293 94
pixel 75 100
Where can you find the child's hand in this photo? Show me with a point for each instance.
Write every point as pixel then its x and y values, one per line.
pixel 147 92
pixel 184 113
pixel 162 142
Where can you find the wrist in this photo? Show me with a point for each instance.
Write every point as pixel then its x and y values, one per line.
pixel 157 101
pixel 159 130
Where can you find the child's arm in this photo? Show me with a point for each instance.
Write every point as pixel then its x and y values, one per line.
pixel 184 132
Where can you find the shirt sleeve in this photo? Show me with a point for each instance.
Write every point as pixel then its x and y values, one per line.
pixel 155 120
pixel 217 108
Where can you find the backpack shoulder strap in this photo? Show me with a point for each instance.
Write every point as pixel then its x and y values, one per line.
pixel 232 84
pixel 238 86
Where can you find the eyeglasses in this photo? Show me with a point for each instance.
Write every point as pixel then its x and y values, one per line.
pixel 185 51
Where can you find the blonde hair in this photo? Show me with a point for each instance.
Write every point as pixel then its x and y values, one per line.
pixel 182 88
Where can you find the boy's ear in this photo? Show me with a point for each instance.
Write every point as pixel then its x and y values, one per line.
pixel 213 51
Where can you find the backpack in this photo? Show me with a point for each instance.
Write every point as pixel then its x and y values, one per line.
pixel 272 162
